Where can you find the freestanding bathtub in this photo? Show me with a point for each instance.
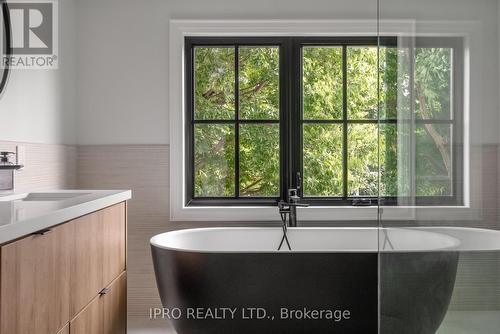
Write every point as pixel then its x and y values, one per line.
pixel 233 280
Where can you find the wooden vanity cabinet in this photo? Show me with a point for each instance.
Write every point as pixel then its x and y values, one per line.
pixel 98 255
pixel 54 281
pixel 86 261
pixel 114 245
pixel 89 320
pixel 34 282
pixel 115 306
pixel 65 330
pixel 106 313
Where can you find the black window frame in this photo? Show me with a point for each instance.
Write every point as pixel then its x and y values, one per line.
pixel 290 121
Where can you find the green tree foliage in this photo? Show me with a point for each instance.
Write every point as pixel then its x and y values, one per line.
pixel 259 160
pixel 362 83
pixel 388 158
pixel 322 83
pixel 323 160
pixel 214 160
pixel 433 92
pixel 371 148
pixel 214 83
pixel 259 83
pixel 362 104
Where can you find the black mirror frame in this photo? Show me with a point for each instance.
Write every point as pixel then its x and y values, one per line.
pixel 8 37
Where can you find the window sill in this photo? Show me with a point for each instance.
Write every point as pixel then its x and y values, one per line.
pixel 317 213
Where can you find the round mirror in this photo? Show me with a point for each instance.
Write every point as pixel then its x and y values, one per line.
pixel 5 50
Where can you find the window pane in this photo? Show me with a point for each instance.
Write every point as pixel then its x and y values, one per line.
pixel 362 160
pixel 433 160
pixel 214 83
pixel 323 160
pixel 389 82
pixel 362 82
pixel 259 160
pixel 214 160
pixel 322 82
pixel 433 73
pixel 388 160
pixel 259 82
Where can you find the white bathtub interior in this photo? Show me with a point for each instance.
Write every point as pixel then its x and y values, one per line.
pixel 332 239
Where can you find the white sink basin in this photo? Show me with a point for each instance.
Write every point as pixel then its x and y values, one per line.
pixel 43 197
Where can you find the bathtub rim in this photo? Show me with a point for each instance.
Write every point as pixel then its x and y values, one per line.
pixel 454 248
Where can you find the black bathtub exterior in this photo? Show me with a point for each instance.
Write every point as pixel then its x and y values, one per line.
pixel 306 281
pixel 415 290
pixel 316 281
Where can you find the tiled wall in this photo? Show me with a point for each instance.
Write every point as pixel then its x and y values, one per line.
pixel 47 166
pixel 478 281
pixel 145 170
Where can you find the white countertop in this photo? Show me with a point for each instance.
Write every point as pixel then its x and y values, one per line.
pixel 20 217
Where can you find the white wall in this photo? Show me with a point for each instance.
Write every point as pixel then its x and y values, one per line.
pixel 120 64
pixel 39 105
pixel 122 72
pixel 123 81
pixel 123 44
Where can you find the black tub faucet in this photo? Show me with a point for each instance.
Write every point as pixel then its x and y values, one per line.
pixel 290 207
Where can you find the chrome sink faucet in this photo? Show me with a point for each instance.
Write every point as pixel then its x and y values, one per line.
pixel 290 208
pixel 7 172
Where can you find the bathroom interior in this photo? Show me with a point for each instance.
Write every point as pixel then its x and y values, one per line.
pixel 233 166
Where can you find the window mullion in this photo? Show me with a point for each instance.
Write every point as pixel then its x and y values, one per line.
pixel 345 123
pixel 237 124
pixel 296 116
pixel 287 125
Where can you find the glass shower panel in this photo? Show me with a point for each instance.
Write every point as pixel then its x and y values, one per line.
pixel 438 126
pixel 336 169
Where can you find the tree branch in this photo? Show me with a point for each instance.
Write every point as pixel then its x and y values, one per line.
pixel 219 97
pixel 254 89
pixel 439 140
pixel 247 189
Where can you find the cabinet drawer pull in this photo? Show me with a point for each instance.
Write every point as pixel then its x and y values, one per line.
pixel 43 232
pixel 104 291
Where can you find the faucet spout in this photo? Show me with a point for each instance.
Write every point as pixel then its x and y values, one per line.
pixel 290 208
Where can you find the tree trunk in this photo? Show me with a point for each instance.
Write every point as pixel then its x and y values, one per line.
pixel 439 140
